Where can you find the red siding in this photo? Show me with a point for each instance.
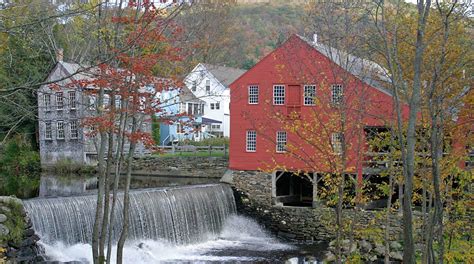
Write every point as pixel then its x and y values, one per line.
pixel 295 64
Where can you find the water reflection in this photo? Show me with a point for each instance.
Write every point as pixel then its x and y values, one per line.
pixel 55 185
pixel 52 185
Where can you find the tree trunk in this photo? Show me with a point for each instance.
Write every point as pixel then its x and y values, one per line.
pixel 106 215
pixel 409 245
pixel 126 197
pixel 100 191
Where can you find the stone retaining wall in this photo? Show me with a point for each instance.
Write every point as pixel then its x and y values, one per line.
pixel 254 197
pixel 17 237
pixel 205 167
pixel 253 191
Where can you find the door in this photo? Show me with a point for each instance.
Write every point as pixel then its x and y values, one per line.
pixel 294 95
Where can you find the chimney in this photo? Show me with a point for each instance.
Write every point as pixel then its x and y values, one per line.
pixel 315 38
pixel 59 55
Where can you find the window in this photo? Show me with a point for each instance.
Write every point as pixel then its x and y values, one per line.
pixel 47 102
pixel 278 94
pixel 72 100
pixel 92 103
pixel 337 94
pixel 60 127
pixel 253 94
pixel 195 109
pixel 194 86
pixel 309 94
pixel 59 101
pixel 215 127
pixel 281 141
pixel 208 86
pixel 337 140
pixel 215 106
pixel 48 132
pixel 73 129
pixel 182 107
pixel 118 102
pixel 106 101
pixel 251 141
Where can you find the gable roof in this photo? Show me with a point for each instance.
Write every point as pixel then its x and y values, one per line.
pixel 367 71
pixel 77 71
pixel 225 75
pixel 185 95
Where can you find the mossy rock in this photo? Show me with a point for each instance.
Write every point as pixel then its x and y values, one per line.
pixel 15 220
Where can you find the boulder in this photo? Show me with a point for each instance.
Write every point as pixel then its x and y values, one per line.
pixel 329 257
pixel 366 246
pixel 3 218
pixel 396 255
pixel 5 209
pixel 395 245
pixel 4 230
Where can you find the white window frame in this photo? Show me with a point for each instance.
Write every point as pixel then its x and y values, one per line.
pixel 212 106
pixel 337 94
pixel 73 129
pixel 253 93
pixel 308 95
pixel 61 134
pixel 48 130
pixel 92 102
pixel 194 86
pixel 106 101
pixel 208 86
pixel 251 141
pixel 59 101
pixel 118 101
pixel 47 102
pixel 218 106
pixel 278 94
pixel 72 100
pixel 281 141
pixel 337 140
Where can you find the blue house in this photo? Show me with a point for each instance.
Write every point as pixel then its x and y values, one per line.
pixel 185 112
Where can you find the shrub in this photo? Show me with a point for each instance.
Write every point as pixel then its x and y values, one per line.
pixel 207 142
pixel 19 169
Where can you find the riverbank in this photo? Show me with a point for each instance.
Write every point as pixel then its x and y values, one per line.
pixel 18 240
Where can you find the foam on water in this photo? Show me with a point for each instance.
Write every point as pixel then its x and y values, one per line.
pixel 238 234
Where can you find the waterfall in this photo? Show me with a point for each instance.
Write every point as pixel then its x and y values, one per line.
pixel 180 215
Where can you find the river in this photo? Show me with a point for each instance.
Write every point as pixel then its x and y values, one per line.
pixel 172 221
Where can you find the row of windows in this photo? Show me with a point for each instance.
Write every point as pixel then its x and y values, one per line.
pixel 337 140
pixel 309 94
pixel 208 86
pixel 60 101
pixel 61 130
pixel 215 106
pixel 251 141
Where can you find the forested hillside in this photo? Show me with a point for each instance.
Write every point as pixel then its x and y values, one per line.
pixel 258 29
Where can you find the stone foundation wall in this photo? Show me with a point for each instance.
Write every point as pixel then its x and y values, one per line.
pixel 17 237
pixel 254 198
pixel 205 167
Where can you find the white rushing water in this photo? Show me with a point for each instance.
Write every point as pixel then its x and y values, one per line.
pixel 239 234
pixel 193 224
